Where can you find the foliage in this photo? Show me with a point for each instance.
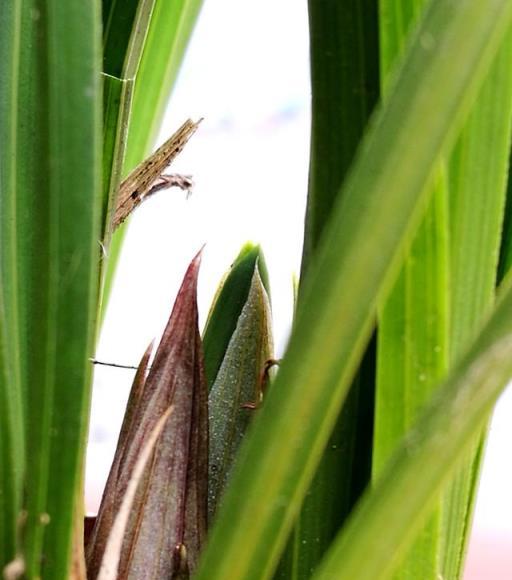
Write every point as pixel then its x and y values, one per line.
pixel 403 234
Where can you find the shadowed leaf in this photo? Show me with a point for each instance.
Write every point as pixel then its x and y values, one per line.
pixel 238 384
pixel 227 306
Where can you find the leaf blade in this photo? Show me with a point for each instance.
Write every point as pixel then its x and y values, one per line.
pixel 57 236
pixel 323 353
pixel 400 500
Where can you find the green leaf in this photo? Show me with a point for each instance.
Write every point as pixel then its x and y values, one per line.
pixel 169 31
pixel 238 383
pixel 412 356
pixel 125 26
pixel 453 50
pixel 478 177
pixel 413 336
pixel 400 500
pixel 117 95
pixel 345 89
pixel 165 36
pixel 57 230
pixel 227 305
pixel 11 410
pixel 397 20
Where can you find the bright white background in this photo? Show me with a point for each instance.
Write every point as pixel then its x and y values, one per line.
pixel 246 72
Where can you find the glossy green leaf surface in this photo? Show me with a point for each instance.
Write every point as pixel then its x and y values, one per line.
pixel 394 165
pixel 125 29
pixel 117 96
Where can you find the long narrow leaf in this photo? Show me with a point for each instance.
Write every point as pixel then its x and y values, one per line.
pixel 119 23
pixel 58 219
pixel 166 38
pixel 400 500
pixel 345 89
pixel 478 174
pixel 11 412
pixel 169 31
pixel 125 28
pixel 117 94
pixel 412 349
pixel 452 53
pixel 412 357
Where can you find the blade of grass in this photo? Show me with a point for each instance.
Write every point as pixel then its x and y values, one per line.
pixel 453 51
pixel 476 210
pixel 57 235
pixel 478 176
pixel 11 411
pixel 117 95
pixel 117 98
pixel 412 341
pixel 345 89
pixel 169 31
pixel 397 19
pixel 400 500
pixel 412 356
pixel 125 27
pixel 166 37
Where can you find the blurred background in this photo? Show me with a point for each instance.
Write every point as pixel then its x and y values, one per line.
pixel 246 72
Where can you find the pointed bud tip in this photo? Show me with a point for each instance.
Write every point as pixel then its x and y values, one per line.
pixel 196 262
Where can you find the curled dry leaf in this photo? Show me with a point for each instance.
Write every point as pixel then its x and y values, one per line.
pixel 167 524
pixel 147 178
